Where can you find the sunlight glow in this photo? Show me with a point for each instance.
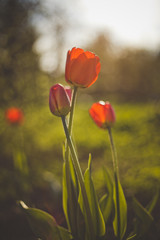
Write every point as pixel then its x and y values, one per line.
pixel 131 22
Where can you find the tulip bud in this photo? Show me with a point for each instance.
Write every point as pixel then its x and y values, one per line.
pixel 59 100
pixel 102 114
pixel 14 116
pixel 69 92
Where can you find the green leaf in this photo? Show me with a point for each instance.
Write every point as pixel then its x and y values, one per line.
pixel 44 225
pixel 64 234
pixel 80 224
pixel 106 202
pixel 153 202
pixel 20 161
pixel 71 207
pixel 122 209
pixel 98 220
pixel 72 211
pixel 87 223
pixel 143 218
pixel 74 177
pixel 66 189
pixel 81 204
pixel 133 237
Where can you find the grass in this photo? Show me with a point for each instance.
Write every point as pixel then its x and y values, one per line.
pixel 137 140
pixel 136 136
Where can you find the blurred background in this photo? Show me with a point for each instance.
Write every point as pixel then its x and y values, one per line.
pixel 35 36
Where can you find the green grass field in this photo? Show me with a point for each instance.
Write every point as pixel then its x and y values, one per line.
pixel 137 140
pixel 136 136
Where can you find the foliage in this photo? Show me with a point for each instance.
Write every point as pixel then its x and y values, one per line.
pixel 44 225
pixel 143 215
pixel 19 64
pixel 139 157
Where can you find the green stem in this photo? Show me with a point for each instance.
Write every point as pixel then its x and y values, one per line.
pixel 70 124
pixel 80 177
pixel 72 110
pixel 116 177
pixel 69 179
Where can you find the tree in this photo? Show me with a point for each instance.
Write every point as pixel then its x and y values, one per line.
pixel 126 74
pixel 19 68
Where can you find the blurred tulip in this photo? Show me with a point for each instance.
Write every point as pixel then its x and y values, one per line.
pixel 59 100
pixel 102 114
pixel 14 116
pixel 82 68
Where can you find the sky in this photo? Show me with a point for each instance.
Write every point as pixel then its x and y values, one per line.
pixel 128 23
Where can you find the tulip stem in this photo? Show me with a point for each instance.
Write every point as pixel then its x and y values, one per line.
pixel 116 177
pixel 79 176
pixel 113 149
pixel 72 110
pixel 73 152
pixel 70 123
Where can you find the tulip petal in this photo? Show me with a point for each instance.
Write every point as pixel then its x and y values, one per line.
pixel 71 56
pixel 69 92
pixel 83 71
pixel 102 114
pixel 82 68
pixel 109 112
pixel 75 52
pixel 97 114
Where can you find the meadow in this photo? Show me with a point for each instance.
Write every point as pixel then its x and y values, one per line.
pixel 136 136
pixel 137 140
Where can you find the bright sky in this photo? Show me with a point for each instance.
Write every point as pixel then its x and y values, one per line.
pixel 130 22
pixel 134 23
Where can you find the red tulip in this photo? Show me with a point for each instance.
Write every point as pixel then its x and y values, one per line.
pixel 14 116
pixel 82 68
pixel 102 114
pixel 59 100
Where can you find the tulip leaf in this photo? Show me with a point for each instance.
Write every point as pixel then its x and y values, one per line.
pixel 71 206
pixel 81 204
pixel 133 237
pixel 153 202
pixel 87 223
pixel 20 161
pixel 122 211
pixel 68 193
pixel 66 190
pixel 98 220
pixel 44 225
pixel 143 218
pixel 106 202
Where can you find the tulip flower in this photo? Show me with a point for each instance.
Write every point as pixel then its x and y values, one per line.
pixel 82 68
pixel 102 114
pixel 59 100
pixel 14 116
